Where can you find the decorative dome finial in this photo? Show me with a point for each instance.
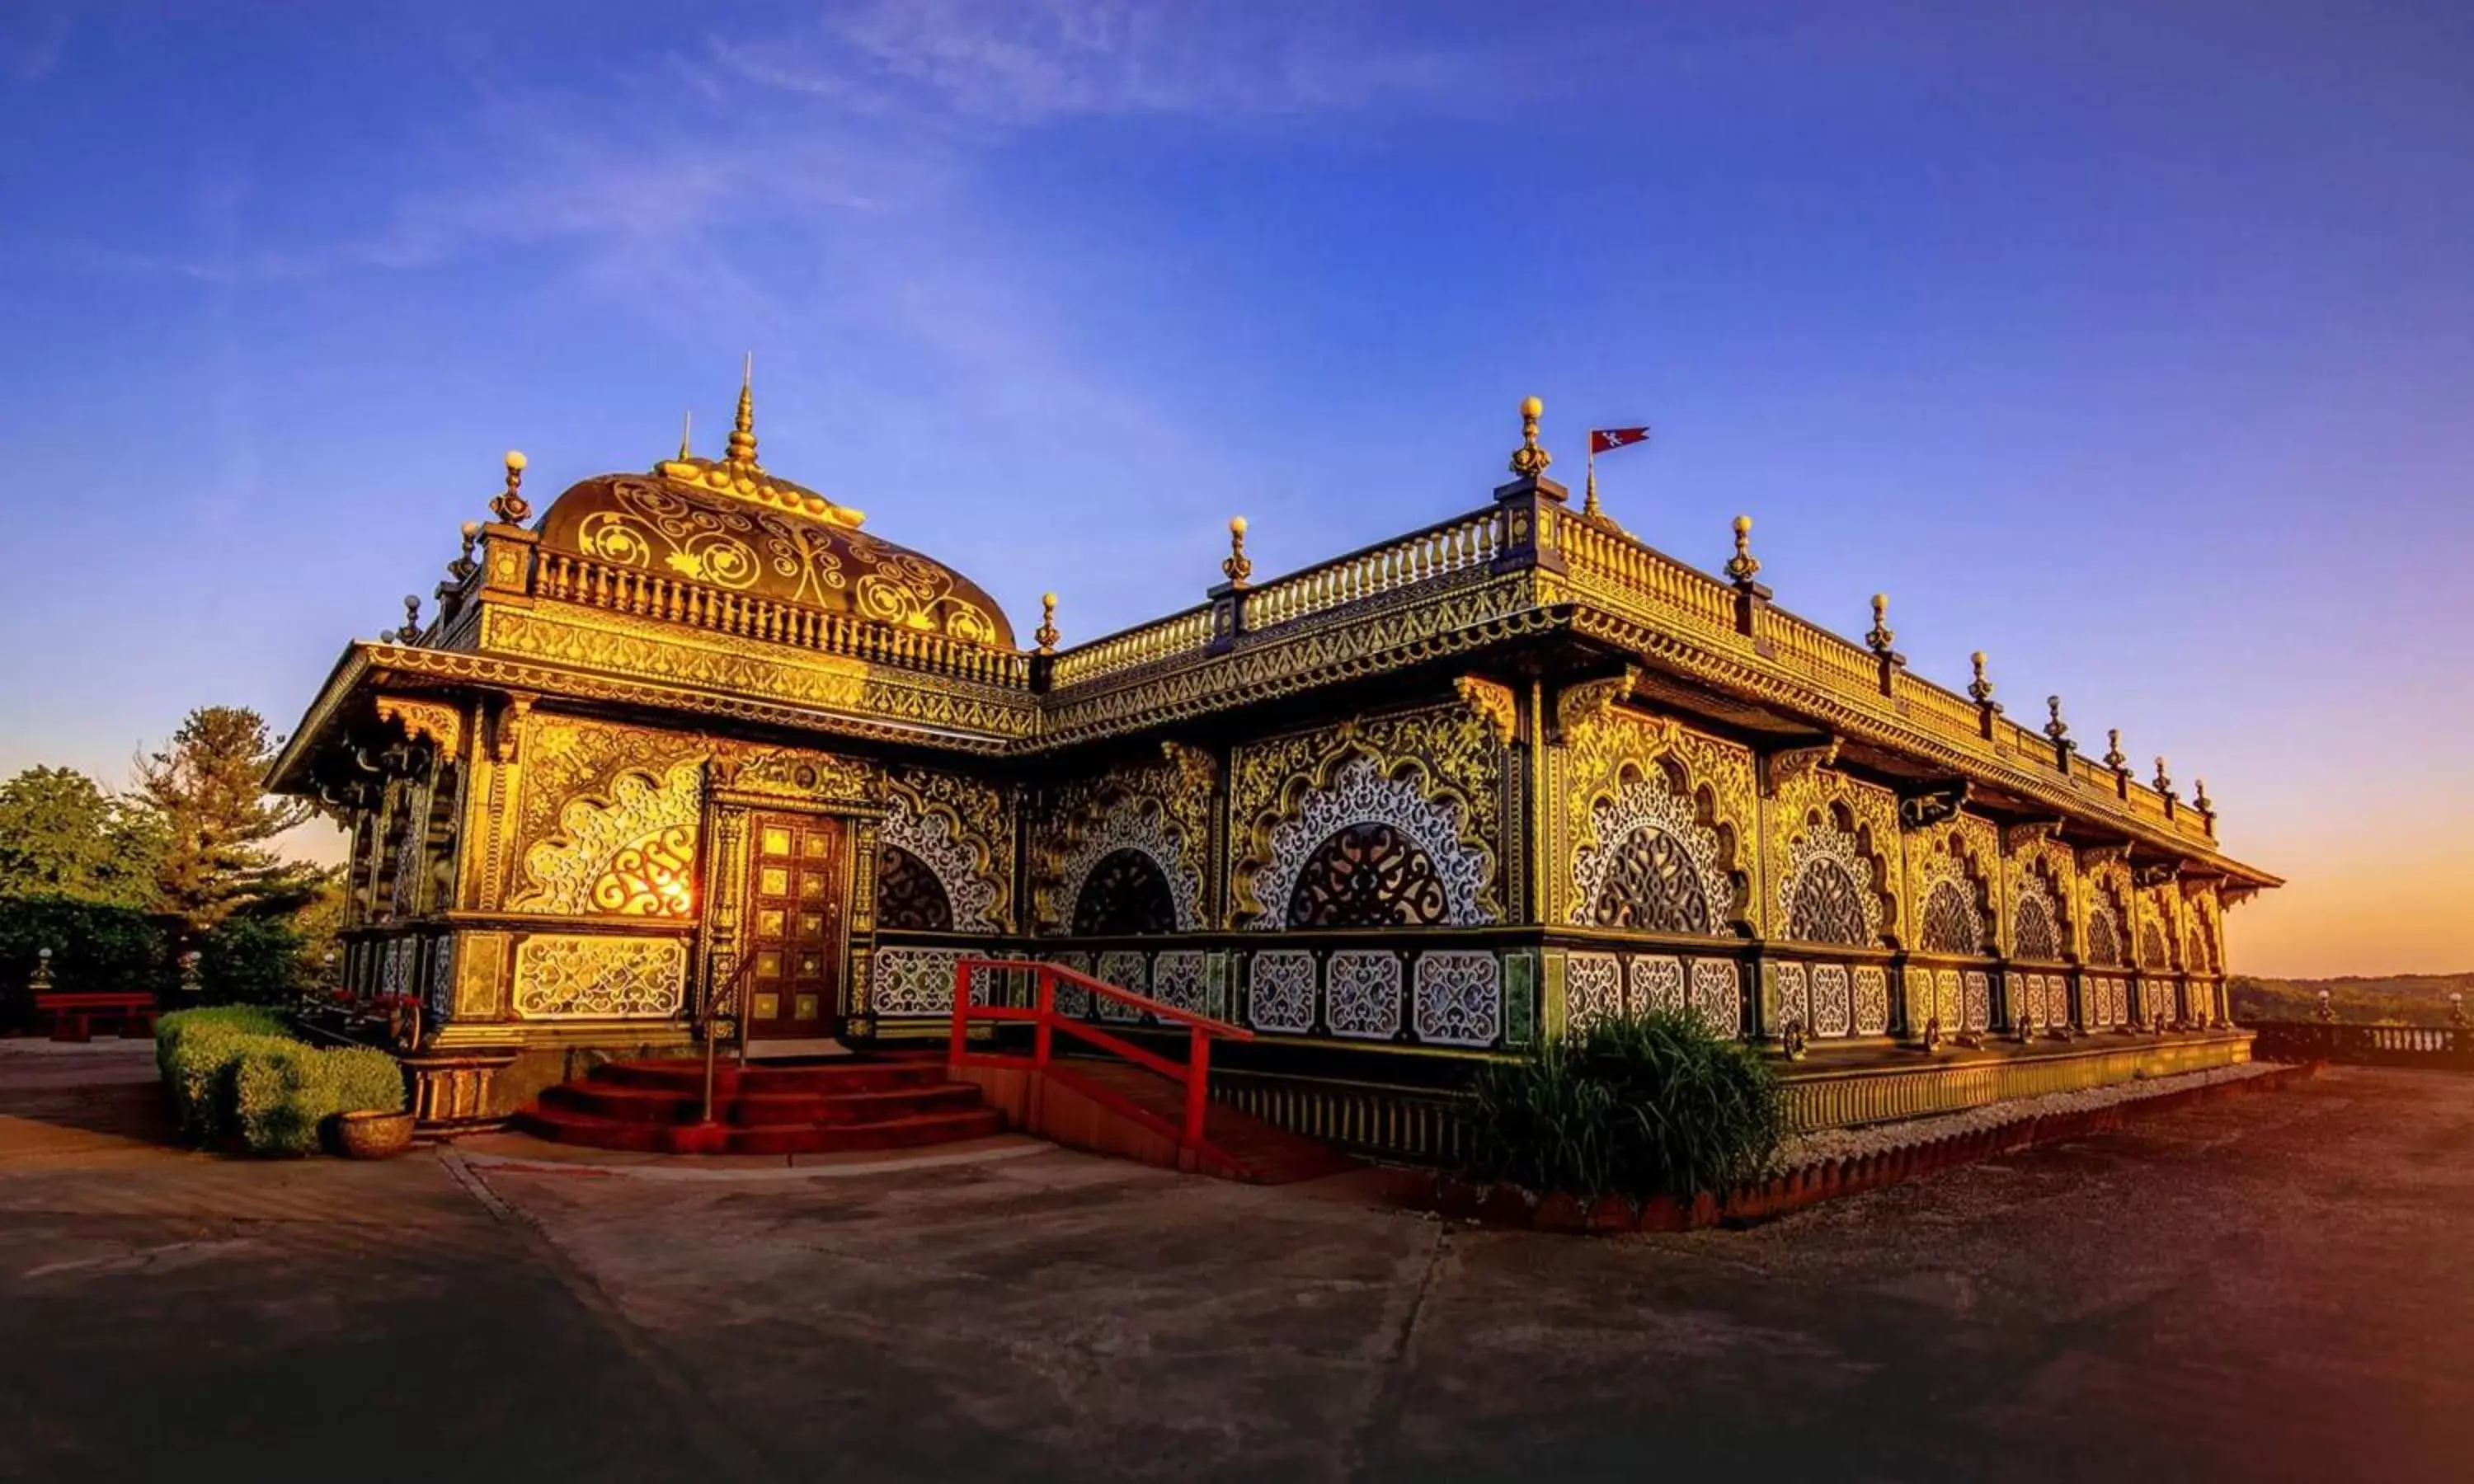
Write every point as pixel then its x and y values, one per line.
pixel 510 507
pixel 1743 566
pixel 1978 689
pixel 1046 635
pixel 2057 728
pixel 1529 461
pixel 743 432
pixel 687 433
pixel 2113 757
pixel 1238 567
pixel 1880 637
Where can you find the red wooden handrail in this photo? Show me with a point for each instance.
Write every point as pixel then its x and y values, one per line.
pixel 1194 1074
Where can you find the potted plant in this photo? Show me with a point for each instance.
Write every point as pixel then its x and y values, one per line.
pixel 371 1122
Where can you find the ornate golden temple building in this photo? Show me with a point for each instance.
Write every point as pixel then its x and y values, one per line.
pixel 1417 806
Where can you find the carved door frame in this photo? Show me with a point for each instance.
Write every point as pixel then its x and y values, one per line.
pixel 734 793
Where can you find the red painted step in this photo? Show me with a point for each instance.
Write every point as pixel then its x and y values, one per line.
pixel 1252 1150
pixel 654 1107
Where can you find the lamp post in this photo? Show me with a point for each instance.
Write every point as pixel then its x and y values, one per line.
pixel 41 982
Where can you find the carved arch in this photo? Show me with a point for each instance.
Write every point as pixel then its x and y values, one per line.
pixel 1658 857
pixel 1833 868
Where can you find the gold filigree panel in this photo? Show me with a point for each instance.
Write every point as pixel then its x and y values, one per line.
pixel 1808 803
pixel 2032 851
pixel 1163 808
pixel 1451 754
pixel 1963 848
pixel 627 849
pixel 573 975
pixel 1606 747
pixel 960 828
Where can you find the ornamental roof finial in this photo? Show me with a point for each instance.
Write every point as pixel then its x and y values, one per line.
pixel 687 433
pixel 2199 798
pixel 1743 565
pixel 2056 729
pixel 1529 461
pixel 1978 689
pixel 2113 757
pixel 1237 567
pixel 1046 636
pixel 1882 636
pixel 743 432
pixel 509 506
pixel 2164 779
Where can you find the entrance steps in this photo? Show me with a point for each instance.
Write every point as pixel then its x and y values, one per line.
pixel 652 1107
pixel 1115 1107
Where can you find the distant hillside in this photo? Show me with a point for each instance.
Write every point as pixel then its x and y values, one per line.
pixel 2393 999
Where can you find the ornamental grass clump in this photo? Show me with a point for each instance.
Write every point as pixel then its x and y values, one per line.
pixel 1639 1106
pixel 237 1075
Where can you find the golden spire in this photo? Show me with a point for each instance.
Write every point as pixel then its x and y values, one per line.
pixel 510 507
pixel 1529 461
pixel 1589 497
pixel 1743 565
pixel 1046 636
pixel 1237 567
pixel 743 433
pixel 737 474
pixel 687 432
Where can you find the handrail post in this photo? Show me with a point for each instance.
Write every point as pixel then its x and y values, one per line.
pixel 1198 1084
pixel 1045 1035
pixel 961 1006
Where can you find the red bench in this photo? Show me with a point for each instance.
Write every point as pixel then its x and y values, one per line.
pixel 73 1015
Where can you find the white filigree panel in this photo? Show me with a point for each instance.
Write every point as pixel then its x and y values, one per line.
pixel 562 976
pixel 1832 1006
pixel 1949 998
pixel 1719 994
pixel 1592 989
pixel 1649 804
pixel 1657 984
pixel 1978 1006
pixel 914 981
pixel 441 978
pixel 1824 840
pixel 1793 983
pixel 1361 993
pixel 1179 979
pixel 1280 991
pixel 1360 793
pixel 930 838
pixel 1940 868
pixel 1132 824
pixel 1871 999
pixel 1459 998
pixel 1073 1000
pixel 1127 970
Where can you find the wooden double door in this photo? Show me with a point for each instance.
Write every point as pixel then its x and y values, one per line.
pixel 797 881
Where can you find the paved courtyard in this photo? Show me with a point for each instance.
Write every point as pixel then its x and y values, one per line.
pixel 2273 1287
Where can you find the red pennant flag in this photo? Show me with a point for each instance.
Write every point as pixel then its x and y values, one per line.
pixel 1608 440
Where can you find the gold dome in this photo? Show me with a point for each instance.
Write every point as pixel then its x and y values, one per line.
pixel 728 523
pixel 667 526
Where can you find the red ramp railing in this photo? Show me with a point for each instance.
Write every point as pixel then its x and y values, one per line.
pixel 1193 1075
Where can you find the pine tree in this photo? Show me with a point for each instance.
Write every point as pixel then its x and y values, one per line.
pixel 208 788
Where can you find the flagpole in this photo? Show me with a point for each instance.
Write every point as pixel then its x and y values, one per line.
pixel 1590 500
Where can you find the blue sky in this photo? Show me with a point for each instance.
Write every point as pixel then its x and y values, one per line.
pixel 2129 343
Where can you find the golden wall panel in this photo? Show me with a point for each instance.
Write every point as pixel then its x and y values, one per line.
pixel 574 975
pixel 1606 751
pixel 1453 757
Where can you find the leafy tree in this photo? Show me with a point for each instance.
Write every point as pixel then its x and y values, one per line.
pixel 208 787
pixel 62 835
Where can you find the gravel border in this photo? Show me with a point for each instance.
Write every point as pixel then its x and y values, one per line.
pixel 1804 1150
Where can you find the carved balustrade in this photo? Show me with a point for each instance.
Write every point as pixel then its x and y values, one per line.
pixel 640 594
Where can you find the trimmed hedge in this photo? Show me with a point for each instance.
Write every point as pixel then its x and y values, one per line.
pixel 1639 1106
pixel 236 1073
pixel 95 946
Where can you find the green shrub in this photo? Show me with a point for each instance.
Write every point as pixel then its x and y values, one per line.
pixel 235 1072
pixel 250 959
pixel 1640 1106
pixel 194 1050
pixel 95 947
